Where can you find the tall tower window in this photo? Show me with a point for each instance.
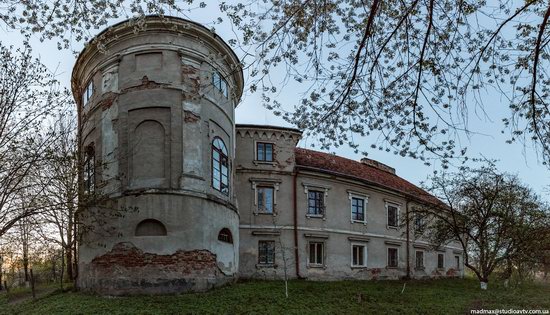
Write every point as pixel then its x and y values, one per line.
pixel 219 82
pixel 220 166
pixel 89 170
pixel 88 92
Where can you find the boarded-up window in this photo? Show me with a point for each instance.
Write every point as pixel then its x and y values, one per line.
pixel 148 150
pixel 150 227
pixel 149 61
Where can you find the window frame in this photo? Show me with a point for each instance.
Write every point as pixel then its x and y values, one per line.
pixel 316 244
pixel 396 258
pixel 365 255
pixel 261 187
pixel 89 172
pixel 457 260
pixel 223 157
pixel 397 211
pixel 266 262
pixel 221 84
pixel 419 223
pixel 88 92
pixel 257 152
pixel 416 266
pixel 319 206
pixel 442 266
pixel 365 200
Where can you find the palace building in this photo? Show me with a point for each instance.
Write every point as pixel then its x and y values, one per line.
pixel 181 198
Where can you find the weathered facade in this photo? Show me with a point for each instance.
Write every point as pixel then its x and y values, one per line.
pixel 156 96
pixel 328 217
pixel 184 200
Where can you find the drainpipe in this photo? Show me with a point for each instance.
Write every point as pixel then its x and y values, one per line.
pixel 408 240
pixel 295 206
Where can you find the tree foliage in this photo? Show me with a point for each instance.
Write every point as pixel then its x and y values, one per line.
pixel 28 92
pixel 409 73
pixel 496 219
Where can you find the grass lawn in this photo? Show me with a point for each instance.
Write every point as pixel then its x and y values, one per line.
pixel 450 296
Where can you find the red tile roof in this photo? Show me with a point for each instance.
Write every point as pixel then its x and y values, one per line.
pixel 337 165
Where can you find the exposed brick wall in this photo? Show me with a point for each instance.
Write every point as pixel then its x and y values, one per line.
pixel 126 269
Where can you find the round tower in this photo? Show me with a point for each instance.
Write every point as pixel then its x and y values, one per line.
pixel 156 99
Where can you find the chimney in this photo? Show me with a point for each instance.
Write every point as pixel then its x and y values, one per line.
pixel 378 165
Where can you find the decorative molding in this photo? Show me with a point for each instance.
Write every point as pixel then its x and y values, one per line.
pixel 312 235
pixel 266 233
pixel 358 239
pixel 394 243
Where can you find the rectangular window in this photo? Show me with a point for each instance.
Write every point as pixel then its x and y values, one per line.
pixel 264 152
pixel 89 170
pixel 358 255
pixel 88 92
pixel 266 252
pixel 457 259
pixel 392 257
pixel 440 261
pixel 393 215
pixel 419 223
pixel 358 209
pixel 220 83
pixel 316 204
pixel 265 199
pixel 419 259
pixel 316 251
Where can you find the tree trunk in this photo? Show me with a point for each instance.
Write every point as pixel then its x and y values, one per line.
pixel 26 265
pixel 62 268
pixel 69 259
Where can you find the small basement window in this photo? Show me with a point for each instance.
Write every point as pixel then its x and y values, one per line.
pixel 150 227
pixel 225 236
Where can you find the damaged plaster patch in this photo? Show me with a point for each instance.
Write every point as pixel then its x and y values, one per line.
pixel 127 269
pixel 190 117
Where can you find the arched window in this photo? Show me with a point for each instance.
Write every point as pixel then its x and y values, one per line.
pixel 225 236
pixel 150 227
pixel 220 166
